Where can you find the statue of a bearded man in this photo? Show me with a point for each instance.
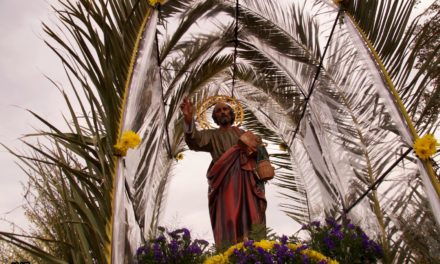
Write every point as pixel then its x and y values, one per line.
pixel 237 199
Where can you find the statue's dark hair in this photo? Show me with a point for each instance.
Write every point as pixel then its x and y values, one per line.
pixel 232 115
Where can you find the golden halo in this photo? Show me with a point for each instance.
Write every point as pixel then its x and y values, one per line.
pixel 212 100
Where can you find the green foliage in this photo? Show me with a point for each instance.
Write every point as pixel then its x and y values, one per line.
pixel 72 172
pixel 427 47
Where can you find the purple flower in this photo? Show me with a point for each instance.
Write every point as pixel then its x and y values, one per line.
pixel 186 234
pixel 364 236
pixel 301 248
pixel 330 221
pixel 174 234
pixel 316 223
pixel 261 251
pixel 173 246
pixel 252 256
pixel 157 253
pixel 290 254
pixel 160 238
pixel 140 251
pixel 194 249
pixel 248 243
pixel 268 259
pixel 283 239
pixel 335 238
pixel 282 253
pixel 337 233
pixel 329 243
pixel 378 249
pixel 305 258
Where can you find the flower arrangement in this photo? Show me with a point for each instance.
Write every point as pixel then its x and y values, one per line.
pixel 129 139
pixel 330 243
pixel 344 242
pixel 267 251
pixel 172 247
pixel 425 146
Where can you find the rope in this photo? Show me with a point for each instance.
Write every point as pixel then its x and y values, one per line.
pixel 321 60
pixel 376 183
pixel 168 146
pixel 237 13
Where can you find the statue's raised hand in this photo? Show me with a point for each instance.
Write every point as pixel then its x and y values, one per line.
pixel 187 109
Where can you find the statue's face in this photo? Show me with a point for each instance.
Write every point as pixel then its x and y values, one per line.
pixel 222 113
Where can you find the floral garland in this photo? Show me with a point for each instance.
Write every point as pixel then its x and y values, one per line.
pixel 269 251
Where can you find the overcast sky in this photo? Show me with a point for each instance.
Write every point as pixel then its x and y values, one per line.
pixel 24 62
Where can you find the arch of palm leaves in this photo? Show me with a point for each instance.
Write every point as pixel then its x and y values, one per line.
pixel 336 83
pixel 327 81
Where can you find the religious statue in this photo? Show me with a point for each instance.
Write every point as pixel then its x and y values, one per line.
pixel 236 195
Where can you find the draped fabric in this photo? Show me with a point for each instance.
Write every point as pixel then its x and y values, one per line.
pixel 237 201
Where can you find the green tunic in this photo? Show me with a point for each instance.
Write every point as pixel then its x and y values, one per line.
pixel 214 141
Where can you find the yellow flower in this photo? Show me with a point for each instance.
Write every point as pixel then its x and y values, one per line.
pixel 232 248
pixel 179 156
pixel 318 256
pixel 425 146
pixel 154 2
pixel 217 259
pixel 120 150
pixel 283 147
pixel 293 246
pixel 130 139
pixel 312 254
pixel 265 244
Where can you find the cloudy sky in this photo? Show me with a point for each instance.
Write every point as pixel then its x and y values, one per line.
pixel 25 61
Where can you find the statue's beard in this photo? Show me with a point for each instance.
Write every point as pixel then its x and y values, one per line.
pixel 224 120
